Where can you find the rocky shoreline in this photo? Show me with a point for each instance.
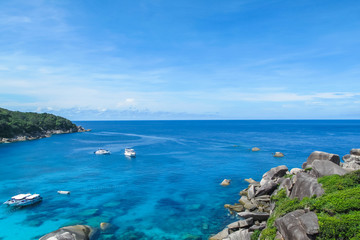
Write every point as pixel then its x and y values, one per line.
pixel 257 206
pixel 44 134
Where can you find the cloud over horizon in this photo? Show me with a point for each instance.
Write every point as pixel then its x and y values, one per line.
pixel 181 60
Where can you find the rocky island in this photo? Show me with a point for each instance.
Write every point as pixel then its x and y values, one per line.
pixel 22 126
pixel 321 200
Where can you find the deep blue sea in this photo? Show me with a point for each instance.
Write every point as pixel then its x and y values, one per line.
pixel 170 190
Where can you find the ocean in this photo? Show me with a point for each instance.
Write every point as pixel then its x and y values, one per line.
pixel 171 190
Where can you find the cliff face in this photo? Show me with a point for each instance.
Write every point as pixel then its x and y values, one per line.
pixel 321 201
pixel 22 126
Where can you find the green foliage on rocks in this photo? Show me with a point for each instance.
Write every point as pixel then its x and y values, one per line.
pixel 339 226
pixel 335 183
pixel 14 123
pixel 338 210
pixel 342 201
pixel 255 235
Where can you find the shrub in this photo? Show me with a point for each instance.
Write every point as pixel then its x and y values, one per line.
pixel 339 202
pixel 340 226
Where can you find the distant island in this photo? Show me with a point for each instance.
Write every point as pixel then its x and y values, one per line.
pixel 22 126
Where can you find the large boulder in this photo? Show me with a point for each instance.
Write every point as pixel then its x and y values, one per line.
pixel 305 185
pixel 310 223
pixel 267 188
pixel 355 151
pixel 298 225
pixel 276 172
pixel 325 168
pixel 318 155
pixel 352 160
pixel 76 232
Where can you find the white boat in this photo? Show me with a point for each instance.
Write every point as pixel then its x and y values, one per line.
pixel 129 152
pixel 102 152
pixel 64 192
pixel 23 199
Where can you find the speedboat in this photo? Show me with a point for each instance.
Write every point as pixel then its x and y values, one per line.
pixel 129 152
pixel 102 152
pixel 23 200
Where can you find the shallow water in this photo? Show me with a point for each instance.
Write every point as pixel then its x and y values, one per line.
pixel 170 190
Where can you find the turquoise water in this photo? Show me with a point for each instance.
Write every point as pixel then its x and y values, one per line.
pixel 170 190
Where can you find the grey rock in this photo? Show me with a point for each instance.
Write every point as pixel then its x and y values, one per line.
pixel 310 223
pixel 278 236
pixel 263 198
pixel 242 234
pixel 290 226
pixel 257 216
pixel 355 151
pixel 251 192
pixel 278 154
pixel 244 200
pixel 251 181
pixel 221 235
pixel 305 186
pixel 295 171
pixel 261 226
pixel 246 223
pixel 244 192
pixel 250 206
pixel 287 185
pixel 267 188
pixel 325 168
pixel 275 172
pixel 348 158
pixel 234 225
pixel 76 232
pixel 352 166
pixel 318 155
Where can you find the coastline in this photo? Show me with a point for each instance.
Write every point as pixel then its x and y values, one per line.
pixel 45 134
pixel 288 204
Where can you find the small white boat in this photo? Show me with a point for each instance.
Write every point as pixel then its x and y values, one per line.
pixel 64 192
pixel 23 200
pixel 129 152
pixel 102 152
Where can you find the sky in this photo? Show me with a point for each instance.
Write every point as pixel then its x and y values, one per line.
pixel 181 59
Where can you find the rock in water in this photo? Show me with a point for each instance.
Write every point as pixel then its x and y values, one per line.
pixel 76 232
pixel 104 226
pixel 278 154
pixel 352 160
pixel 355 151
pixel 225 182
pixel 326 168
pixel 255 149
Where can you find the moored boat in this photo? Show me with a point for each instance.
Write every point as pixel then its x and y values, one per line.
pixel 129 152
pixel 24 200
pixel 102 151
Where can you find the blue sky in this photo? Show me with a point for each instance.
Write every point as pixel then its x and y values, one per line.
pixel 160 59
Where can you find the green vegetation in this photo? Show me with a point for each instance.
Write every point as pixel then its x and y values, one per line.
pixel 338 209
pixel 14 123
pixel 255 235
